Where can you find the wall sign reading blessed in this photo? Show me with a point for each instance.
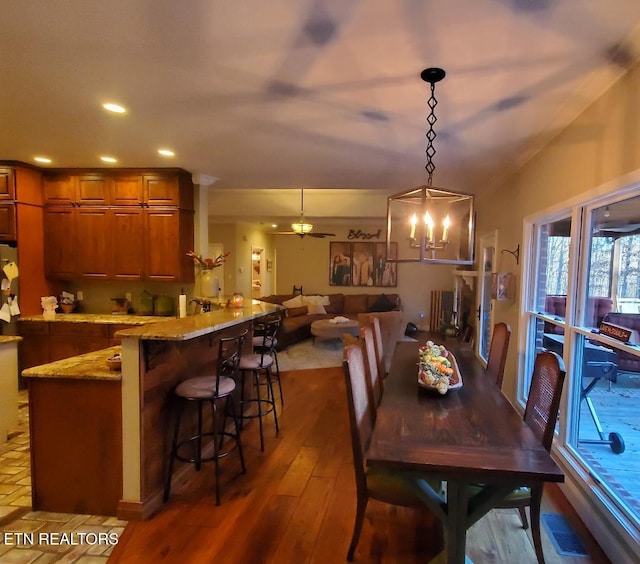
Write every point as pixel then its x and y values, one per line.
pixel 358 234
pixel 362 264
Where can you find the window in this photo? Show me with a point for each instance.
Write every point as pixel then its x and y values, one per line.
pixel 585 270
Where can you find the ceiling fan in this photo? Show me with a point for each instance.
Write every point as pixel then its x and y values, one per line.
pixel 303 229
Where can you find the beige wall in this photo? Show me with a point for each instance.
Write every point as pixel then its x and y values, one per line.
pixel 306 262
pixel 599 147
pixel 590 157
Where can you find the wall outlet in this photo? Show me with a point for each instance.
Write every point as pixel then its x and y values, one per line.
pixel 80 295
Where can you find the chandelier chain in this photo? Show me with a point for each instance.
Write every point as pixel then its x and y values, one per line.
pixel 431 135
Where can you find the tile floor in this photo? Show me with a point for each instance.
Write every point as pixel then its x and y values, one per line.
pixel 38 536
pixel 41 537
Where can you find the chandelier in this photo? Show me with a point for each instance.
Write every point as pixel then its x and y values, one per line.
pixel 431 225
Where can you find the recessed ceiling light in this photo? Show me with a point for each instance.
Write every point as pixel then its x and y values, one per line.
pixel 166 152
pixel 114 108
pixel 274 225
pixel 43 160
pixel 107 159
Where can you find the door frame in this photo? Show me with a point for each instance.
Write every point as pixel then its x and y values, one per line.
pixel 486 241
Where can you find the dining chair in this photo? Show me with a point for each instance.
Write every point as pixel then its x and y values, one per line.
pixel 541 414
pixel 259 366
pixel 371 321
pixel 209 389
pixel 395 488
pixel 389 326
pixel 498 352
pixel 374 379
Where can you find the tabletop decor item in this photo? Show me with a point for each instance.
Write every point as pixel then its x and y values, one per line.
pixel 438 369
pixel 209 284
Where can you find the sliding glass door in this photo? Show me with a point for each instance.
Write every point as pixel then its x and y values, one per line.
pixel 583 302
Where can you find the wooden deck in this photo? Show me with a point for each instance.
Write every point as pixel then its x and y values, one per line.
pixel 618 409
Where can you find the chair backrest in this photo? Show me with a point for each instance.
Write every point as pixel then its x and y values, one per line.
pixel 391 328
pixel 545 392
pixel 267 331
pixel 498 352
pixel 297 290
pixel 229 355
pixel 374 379
pixel 358 402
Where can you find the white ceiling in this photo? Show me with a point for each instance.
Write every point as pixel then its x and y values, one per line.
pixel 321 94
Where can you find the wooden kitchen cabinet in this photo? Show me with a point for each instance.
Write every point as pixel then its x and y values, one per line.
pixel 7 222
pixel 33 350
pixel 7 184
pixel 92 239
pixel 75 190
pixel 75 243
pixel 127 259
pixel 119 225
pixel 152 190
pixel 60 246
pixel 68 339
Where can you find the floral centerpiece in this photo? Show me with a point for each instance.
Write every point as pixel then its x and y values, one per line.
pixel 208 263
pixel 437 368
pixel 209 284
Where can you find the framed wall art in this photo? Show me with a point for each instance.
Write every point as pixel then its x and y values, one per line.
pixel 362 264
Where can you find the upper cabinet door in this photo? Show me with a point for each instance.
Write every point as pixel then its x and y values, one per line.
pixel 60 248
pixel 60 189
pixel 126 191
pixel 7 185
pixel 91 190
pixel 7 222
pixel 160 190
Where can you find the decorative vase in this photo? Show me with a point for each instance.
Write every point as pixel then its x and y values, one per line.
pixel 209 286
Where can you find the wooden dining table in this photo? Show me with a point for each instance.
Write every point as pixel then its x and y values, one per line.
pixel 471 435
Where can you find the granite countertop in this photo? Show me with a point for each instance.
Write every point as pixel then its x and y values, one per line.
pixel 201 324
pixel 89 366
pixel 102 318
pixel 5 339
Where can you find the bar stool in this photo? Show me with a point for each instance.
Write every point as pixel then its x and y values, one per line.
pixel 268 346
pixel 258 364
pixel 210 389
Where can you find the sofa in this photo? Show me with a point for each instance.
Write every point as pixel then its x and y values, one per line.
pixel 300 311
pixel 597 308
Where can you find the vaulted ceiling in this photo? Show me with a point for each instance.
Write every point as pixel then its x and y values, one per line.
pixel 320 94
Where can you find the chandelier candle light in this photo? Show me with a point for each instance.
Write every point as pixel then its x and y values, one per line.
pixel 439 223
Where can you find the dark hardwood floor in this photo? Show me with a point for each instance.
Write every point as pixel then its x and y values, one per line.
pixel 296 503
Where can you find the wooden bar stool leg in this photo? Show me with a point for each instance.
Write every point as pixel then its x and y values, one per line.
pixel 216 460
pixel 256 375
pixel 273 399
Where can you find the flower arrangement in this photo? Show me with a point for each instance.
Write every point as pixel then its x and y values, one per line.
pixel 435 367
pixel 208 263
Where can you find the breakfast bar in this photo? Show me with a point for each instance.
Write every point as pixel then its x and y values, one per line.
pixel 114 425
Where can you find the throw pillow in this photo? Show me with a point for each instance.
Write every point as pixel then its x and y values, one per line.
pixel 316 300
pixel 383 303
pixel 316 308
pixel 294 302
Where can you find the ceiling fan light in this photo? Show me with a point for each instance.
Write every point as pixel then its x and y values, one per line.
pixel 301 228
